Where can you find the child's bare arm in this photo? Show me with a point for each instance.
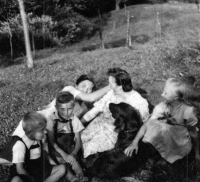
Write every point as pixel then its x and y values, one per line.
pixel 78 144
pixel 195 141
pixel 134 145
pixel 90 115
pixel 94 96
pixel 20 169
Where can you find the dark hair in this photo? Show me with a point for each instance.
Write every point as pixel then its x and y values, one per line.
pixel 33 121
pixel 64 97
pixel 85 77
pixel 122 78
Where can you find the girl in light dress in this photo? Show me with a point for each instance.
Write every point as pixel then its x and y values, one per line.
pixel 171 128
pixel 100 134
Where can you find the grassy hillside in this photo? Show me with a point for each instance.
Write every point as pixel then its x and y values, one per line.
pixel 151 59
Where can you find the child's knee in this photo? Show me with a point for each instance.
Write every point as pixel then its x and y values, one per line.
pixel 62 169
pixel 16 179
pixel 76 166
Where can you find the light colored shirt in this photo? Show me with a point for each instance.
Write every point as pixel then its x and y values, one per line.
pixel 19 149
pixel 64 127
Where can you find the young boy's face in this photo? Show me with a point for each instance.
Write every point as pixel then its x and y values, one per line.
pixel 65 110
pixel 38 134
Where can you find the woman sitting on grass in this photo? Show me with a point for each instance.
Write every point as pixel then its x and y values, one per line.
pixel 99 135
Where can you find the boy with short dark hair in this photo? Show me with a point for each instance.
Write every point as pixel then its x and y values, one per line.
pixel 63 129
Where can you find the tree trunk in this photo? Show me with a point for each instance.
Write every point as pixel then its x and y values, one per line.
pixel 11 46
pixel 26 34
pixel 100 30
pixel 117 4
pixel 128 37
pixel 33 42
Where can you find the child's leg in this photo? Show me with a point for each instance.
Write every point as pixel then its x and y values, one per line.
pixel 77 169
pixel 16 179
pixel 70 176
pixel 79 172
pixel 57 173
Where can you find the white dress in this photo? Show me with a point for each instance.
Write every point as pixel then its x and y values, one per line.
pixel 99 135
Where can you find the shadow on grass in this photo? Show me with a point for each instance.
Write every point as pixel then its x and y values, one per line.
pixel 141 39
pixel 5 61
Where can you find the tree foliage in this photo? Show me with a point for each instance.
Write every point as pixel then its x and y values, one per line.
pixel 56 22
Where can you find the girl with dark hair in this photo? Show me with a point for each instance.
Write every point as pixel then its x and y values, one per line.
pixel 99 135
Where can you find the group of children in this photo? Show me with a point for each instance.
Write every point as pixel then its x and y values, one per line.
pixel 46 145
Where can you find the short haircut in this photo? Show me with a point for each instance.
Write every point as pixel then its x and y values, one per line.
pixel 64 97
pixel 85 77
pixel 122 78
pixel 33 121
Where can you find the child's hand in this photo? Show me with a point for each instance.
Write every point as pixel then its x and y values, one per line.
pixel 73 155
pixel 71 159
pixel 129 150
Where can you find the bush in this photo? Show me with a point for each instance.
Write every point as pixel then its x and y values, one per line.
pixel 71 26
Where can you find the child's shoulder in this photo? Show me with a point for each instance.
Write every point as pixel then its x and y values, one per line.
pixel 75 119
pixel 14 147
pixel 188 109
pixel 77 124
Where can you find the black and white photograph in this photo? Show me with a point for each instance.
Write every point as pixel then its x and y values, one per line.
pixel 99 90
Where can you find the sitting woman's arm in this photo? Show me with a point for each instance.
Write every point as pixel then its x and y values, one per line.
pixel 134 145
pixel 195 141
pixel 94 96
pixel 191 121
pixel 90 115
pixel 87 97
